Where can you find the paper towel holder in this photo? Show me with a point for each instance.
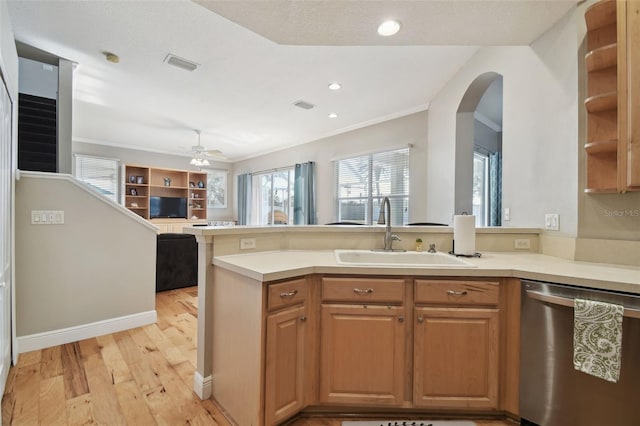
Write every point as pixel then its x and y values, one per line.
pixel 453 249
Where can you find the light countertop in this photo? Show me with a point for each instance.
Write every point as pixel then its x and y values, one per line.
pixel 282 264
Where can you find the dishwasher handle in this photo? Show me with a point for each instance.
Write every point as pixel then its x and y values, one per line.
pixel 565 301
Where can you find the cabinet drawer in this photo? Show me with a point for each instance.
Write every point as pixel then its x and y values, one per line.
pixel 362 290
pixel 457 292
pixel 286 294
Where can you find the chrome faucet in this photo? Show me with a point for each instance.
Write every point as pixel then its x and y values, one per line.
pixel 389 238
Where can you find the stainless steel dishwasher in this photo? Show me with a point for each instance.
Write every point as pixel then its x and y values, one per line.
pixel 552 393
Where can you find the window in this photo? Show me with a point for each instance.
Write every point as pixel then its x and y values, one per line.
pixel 217 189
pixel 100 174
pixel 272 197
pixel 363 182
pixel 480 188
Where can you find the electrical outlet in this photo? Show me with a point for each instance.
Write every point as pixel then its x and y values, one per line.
pixel 507 214
pixel 522 243
pixel 247 243
pixel 552 221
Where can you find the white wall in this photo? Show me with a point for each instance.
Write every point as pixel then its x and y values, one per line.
pixel 411 129
pixel 65 116
pixel 465 136
pixel 540 129
pixel 38 79
pixel 96 267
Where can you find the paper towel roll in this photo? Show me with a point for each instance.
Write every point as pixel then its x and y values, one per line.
pixel 464 234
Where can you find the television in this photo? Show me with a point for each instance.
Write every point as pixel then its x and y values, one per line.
pixel 167 207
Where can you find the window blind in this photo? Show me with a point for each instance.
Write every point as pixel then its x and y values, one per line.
pixel 362 183
pixel 100 174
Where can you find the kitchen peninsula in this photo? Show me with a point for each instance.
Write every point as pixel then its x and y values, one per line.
pixel 286 328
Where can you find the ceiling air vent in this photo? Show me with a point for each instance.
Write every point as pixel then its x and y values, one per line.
pixel 303 105
pixel 180 62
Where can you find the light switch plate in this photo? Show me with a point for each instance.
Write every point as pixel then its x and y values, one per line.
pixel 552 221
pixel 47 217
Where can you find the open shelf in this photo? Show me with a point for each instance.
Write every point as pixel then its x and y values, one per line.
pixel 605 147
pixel 602 58
pixel 602 102
pixel 142 182
pixel 600 14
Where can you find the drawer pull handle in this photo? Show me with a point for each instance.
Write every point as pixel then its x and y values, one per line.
pixel 400 318
pixel 456 293
pixel 363 291
pixel 303 318
pixel 286 294
pixel 420 320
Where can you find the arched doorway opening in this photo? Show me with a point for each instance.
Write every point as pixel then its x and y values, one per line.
pixel 478 175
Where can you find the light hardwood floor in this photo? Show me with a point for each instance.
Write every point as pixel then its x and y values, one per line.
pixel 142 376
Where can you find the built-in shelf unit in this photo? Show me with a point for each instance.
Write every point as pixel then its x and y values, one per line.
pixel 612 153
pixel 142 182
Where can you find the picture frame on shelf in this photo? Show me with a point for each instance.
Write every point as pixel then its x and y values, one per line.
pixel 133 192
pixel 217 189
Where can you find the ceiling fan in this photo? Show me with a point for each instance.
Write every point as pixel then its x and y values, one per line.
pixel 200 153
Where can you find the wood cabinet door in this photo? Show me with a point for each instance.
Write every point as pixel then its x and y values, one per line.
pixel 456 358
pixel 284 364
pixel 362 355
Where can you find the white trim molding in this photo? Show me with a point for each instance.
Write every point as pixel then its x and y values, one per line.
pixel 202 386
pixel 47 339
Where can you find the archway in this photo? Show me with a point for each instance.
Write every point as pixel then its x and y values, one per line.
pixel 478 174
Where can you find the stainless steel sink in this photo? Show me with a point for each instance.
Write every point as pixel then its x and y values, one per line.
pixel 400 259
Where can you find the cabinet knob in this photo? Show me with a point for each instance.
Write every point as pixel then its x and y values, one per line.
pixel 286 294
pixel 456 293
pixel 400 318
pixel 363 291
pixel 303 318
pixel 420 320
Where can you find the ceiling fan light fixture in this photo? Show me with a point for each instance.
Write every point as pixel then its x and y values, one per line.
pixel 388 28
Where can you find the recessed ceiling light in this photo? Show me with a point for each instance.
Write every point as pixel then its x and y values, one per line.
pixel 389 28
pixel 335 86
pixel 333 115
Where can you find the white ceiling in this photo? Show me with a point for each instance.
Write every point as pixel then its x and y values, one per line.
pixel 241 96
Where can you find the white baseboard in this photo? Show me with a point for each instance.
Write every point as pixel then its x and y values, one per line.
pixel 202 386
pixel 47 339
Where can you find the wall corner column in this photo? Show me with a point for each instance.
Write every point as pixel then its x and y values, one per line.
pixel 202 376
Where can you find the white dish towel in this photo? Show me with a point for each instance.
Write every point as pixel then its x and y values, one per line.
pixel 597 338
